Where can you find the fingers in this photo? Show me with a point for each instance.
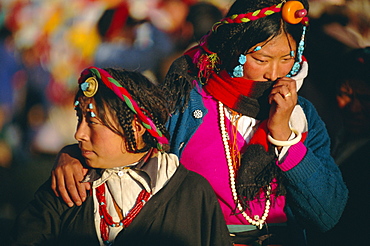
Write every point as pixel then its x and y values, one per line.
pixel 283 98
pixel 72 189
pixel 60 178
pixel 66 179
pixel 289 94
pixel 284 90
pixel 54 183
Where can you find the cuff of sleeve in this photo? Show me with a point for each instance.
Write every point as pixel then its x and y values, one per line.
pixel 294 156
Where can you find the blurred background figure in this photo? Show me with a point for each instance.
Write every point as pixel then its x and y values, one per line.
pixel 9 65
pixel 342 26
pixel 353 98
pixel 135 44
pixel 339 87
pixel 352 149
pixel 199 20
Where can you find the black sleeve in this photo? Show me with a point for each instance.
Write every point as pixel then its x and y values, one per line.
pixel 39 222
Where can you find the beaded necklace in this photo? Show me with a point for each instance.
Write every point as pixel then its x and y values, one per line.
pixel 107 220
pixel 256 221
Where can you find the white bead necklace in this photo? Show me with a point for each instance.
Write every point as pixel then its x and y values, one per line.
pixel 257 221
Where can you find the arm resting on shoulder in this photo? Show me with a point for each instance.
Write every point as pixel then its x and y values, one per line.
pixel 67 174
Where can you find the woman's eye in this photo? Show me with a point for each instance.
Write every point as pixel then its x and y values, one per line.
pixel 288 59
pixel 260 61
pixel 93 122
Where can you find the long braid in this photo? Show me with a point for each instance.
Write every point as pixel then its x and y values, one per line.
pixel 178 83
pixel 150 100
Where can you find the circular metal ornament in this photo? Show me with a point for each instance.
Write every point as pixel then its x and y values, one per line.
pixel 90 87
pixel 197 114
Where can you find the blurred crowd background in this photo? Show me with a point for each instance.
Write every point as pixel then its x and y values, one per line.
pixel 44 45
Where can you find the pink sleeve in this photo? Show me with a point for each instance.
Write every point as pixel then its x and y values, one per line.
pixel 293 157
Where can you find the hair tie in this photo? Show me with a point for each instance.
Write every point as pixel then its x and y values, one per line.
pixel 293 12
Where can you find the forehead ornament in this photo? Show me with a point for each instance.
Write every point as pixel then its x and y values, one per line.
pixel 89 87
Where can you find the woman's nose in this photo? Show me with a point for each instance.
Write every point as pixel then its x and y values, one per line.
pixel 272 72
pixel 80 134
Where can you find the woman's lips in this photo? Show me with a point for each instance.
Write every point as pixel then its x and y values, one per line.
pixel 86 153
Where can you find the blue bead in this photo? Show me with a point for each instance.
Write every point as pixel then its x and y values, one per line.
pixel 257 48
pixel 92 114
pixel 242 59
pixel 91 106
pixel 76 103
pixel 84 86
pixel 102 203
pixel 238 71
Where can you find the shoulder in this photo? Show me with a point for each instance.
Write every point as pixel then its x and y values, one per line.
pixel 179 82
pixel 306 104
pixel 180 71
pixel 45 199
pixel 309 109
pixel 195 181
pixel 316 126
pixel 181 64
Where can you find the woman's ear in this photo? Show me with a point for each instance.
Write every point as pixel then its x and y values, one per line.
pixel 139 131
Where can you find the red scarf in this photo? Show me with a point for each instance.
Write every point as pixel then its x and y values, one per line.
pixel 247 97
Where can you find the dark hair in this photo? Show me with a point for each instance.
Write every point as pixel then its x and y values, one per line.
pixel 230 40
pixel 149 98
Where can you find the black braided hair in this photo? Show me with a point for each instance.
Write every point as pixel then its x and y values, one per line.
pixel 148 96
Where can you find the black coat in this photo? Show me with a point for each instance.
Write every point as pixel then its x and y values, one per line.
pixel 184 212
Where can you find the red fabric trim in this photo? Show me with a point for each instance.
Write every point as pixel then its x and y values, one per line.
pixel 228 90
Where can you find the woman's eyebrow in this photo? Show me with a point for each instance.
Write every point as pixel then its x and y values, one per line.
pixel 269 56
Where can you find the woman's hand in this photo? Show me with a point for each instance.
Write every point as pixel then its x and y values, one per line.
pixel 67 174
pixel 283 98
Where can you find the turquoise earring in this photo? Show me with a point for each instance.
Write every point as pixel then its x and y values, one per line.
pixel 238 70
pixel 297 64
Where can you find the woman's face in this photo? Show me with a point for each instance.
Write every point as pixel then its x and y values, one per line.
pixel 271 62
pixel 100 146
